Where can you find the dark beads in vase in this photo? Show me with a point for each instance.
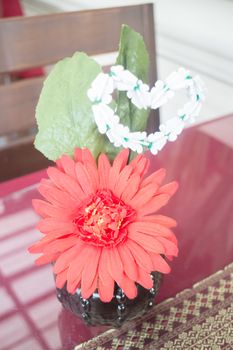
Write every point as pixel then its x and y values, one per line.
pixel 94 312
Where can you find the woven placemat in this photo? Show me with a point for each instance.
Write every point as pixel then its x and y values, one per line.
pixel 196 318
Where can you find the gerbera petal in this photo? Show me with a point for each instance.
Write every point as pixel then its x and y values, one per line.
pixel 84 179
pixel 161 220
pixel 89 163
pixel 128 287
pixel 169 257
pixel 37 247
pixel 132 188
pixel 140 165
pixel 77 264
pixel 143 196
pixel 104 275
pixel 170 188
pixel 144 279
pixel 47 239
pixel 149 243
pixel 46 258
pixel 64 182
pixel 154 204
pixel 65 259
pixel 68 166
pixel 61 279
pixel 152 229
pixel 128 262
pixel 121 160
pixel 60 245
pixel 123 180
pixel 46 209
pixel 59 165
pixel 114 264
pixel 156 177
pixel 140 255
pixel 103 169
pixel 171 237
pixel 159 263
pixel 53 236
pixel 93 175
pixel 144 167
pixel 118 164
pixel 87 293
pixel 47 225
pixel 136 160
pixel 169 246
pixel 106 290
pixel 55 196
pixel 73 285
pixel 87 157
pixel 78 152
pixel 90 271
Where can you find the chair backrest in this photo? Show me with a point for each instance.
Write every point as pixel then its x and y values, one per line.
pixel 30 42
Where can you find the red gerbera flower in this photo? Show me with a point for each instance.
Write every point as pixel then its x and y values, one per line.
pixel 99 224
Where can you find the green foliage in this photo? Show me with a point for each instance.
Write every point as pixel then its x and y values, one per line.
pixel 133 56
pixel 64 115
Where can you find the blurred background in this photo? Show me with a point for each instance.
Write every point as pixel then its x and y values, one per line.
pixel 195 34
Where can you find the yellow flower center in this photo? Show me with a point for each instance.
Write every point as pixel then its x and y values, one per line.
pixel 104 219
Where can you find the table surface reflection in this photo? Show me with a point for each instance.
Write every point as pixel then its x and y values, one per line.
pixel 201 160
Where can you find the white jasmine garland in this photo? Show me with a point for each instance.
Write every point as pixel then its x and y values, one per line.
pixel 100 94
pixel 101 89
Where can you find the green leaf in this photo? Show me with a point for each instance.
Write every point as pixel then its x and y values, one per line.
pixel 64 116
pixel 133 56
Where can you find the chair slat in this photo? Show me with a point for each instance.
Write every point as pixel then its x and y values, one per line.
pixel 17 105
pixel 21 158
pixel 41 40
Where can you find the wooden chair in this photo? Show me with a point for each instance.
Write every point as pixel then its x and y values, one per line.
pixel 40 41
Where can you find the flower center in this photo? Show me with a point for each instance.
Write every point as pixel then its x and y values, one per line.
pixel 104 219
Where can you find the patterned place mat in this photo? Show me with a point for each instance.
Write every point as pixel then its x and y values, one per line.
pixel 197 318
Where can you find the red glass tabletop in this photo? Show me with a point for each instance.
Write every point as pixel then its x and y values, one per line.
pixel 201 160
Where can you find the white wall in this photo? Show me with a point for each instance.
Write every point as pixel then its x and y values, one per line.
pixel 198 34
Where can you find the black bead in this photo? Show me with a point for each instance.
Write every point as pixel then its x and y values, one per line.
pixel 85 316
pixel 153 291
pixel 84 303
pixel 59 296
pixel 119 320
pixel 150 304
pixel 120 296
pixel 121 309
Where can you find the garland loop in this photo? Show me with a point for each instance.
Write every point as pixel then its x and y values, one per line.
pixel 100 94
